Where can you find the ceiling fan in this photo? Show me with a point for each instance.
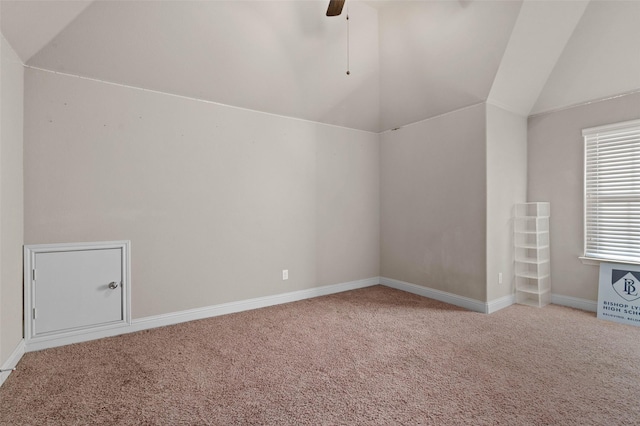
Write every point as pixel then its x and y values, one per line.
pixel 335 7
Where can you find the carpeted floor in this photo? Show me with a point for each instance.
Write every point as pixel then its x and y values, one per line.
pixel 371 356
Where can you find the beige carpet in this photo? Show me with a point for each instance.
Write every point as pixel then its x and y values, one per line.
pixel 371 356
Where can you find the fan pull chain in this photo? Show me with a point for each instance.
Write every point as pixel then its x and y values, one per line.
pixel 348 72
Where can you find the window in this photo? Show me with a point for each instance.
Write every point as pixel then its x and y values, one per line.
pixel 612 192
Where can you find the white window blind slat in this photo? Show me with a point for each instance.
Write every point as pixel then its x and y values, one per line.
pixel 595 180
pixel 619 142
pixel 612 159
pixel 612 192
pixel 615 146
pixel 612 145
pixel 612 241
pixel 623 137
pixel 613 216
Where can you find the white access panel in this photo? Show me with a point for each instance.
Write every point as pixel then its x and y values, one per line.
pixel 71 289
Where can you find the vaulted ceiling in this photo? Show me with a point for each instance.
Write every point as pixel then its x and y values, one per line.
pixel 408 60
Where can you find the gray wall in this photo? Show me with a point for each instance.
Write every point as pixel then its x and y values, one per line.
pixel 506 186
pixel 555 174
pixel 11 202
pixel 216 200
pixel 433 203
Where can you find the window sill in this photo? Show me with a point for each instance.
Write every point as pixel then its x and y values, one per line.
pixel 597 261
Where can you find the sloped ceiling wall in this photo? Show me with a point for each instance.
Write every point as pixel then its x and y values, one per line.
pixel 280 57
pixel 29 25
pixel 601 59
pixel 439 56
pixel 531 54
pixel 409 60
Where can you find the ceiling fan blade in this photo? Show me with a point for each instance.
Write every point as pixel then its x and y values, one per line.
pixel 335 7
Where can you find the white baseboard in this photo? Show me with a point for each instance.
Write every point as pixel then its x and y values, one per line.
pixel 262 302
pixel 478 306
pixel 574 302
pixel 443 296
pixel 76 336
pixel 246 305
pixel 501 303
pixel 199 313
pixel 13 360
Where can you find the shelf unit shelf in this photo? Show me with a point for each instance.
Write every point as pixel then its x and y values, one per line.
pixel 530 246
pixel 532 256
pixel 530 260
pixel 532 275
pixel 530 288
pixel 535 300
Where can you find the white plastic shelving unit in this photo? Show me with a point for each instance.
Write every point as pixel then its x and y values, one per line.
pixel 532 256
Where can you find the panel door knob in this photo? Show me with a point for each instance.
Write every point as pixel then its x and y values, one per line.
pixel 113 285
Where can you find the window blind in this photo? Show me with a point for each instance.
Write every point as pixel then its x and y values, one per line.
pixel 612 192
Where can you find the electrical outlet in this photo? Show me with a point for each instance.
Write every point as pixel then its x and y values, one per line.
pixel 499 277
pixel 285 274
